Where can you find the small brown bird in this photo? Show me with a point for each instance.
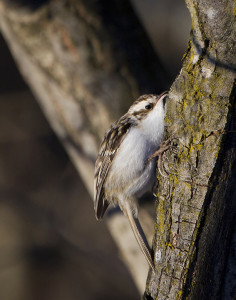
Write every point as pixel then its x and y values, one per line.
pixel 124 170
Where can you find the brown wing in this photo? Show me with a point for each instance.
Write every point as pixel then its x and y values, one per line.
pixel 108 150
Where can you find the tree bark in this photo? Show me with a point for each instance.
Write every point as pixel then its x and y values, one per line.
pixel 197 200
pixel 85 61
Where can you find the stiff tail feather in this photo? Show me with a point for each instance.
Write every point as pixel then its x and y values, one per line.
pixel 140 236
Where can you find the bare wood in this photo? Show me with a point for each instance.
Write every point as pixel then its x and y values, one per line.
pixel 197 202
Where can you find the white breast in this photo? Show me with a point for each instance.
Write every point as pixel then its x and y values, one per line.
pixel 129 173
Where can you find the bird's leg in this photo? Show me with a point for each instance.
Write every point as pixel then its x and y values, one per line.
pixel 158 153
pixel 163 147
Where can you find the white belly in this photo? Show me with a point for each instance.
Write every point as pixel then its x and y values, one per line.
pixel 130 174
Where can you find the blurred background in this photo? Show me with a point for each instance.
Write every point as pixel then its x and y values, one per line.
pixel 51 246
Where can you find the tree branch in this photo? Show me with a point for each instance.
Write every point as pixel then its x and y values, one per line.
pixel 85 61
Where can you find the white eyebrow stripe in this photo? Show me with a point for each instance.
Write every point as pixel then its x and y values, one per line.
pixel 139 105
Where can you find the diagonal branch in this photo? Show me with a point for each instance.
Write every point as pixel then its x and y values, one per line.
pixel 85 61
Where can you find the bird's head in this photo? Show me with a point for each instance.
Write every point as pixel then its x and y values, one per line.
pixel 148 105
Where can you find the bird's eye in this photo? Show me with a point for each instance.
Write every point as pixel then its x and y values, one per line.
pixel 148 106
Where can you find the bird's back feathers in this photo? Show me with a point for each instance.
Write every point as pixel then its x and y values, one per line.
pixel 109 147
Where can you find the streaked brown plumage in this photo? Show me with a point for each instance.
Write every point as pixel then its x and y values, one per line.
pixel 123 171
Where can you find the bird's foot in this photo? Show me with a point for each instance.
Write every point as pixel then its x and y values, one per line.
pixel 159 153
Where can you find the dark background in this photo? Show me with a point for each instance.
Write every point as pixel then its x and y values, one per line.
pixel 51 246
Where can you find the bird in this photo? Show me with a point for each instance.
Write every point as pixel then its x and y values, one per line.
pixel 125 168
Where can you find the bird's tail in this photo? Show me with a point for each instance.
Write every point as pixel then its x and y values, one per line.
pixel 140 236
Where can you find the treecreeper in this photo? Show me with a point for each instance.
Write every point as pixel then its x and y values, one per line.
pixel 126 165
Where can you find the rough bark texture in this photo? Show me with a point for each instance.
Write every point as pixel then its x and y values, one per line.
pixel 85 61
pixel 197 201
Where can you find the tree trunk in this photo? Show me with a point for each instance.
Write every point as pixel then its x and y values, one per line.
pixel 85 61
pixel 197 200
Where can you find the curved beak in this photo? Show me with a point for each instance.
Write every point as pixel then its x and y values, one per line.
pixel 162 96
